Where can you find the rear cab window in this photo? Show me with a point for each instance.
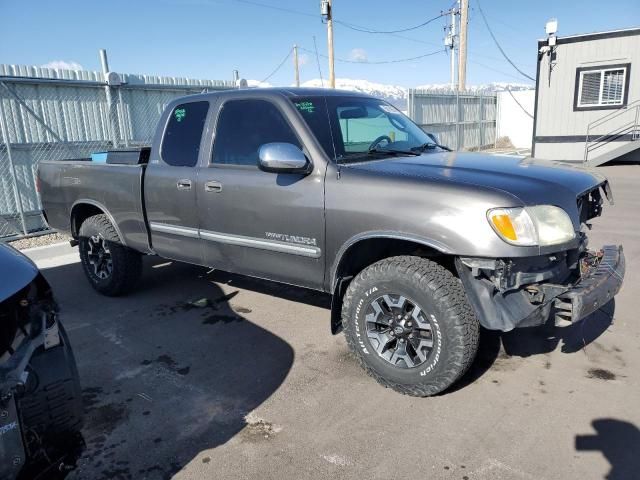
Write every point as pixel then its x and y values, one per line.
pixel 183 134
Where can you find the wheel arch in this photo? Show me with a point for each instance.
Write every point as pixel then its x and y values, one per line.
pixel 364 250
pixel 85 208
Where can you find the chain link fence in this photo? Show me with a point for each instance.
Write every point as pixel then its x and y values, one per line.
pixel 50 114
pixel 460 120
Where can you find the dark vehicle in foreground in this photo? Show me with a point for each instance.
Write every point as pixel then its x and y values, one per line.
pixel 40 397
pixel 342 193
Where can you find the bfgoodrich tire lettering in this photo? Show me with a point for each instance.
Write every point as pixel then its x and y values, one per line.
pixel 451 330
pixel 111 268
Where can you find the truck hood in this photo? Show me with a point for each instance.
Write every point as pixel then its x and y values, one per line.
pixel 532 182
pixel 17 271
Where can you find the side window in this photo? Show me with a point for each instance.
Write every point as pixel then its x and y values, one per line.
pixel 244 126
pixel 181 141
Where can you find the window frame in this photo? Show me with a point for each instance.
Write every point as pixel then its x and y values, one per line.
pixel 202 135
pixel 580 71
pixel 220 108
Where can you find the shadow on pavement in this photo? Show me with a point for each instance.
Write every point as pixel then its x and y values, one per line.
pixel 168 371
pixel 525 342
pixel 619 442
pixel 280 290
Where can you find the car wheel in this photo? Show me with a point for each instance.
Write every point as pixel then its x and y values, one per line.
pixel 111 268
pixel 51 405
pixel 408 322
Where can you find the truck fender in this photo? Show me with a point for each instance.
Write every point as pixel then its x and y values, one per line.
pixel 346 246
pixel 102 208
pixel 339 281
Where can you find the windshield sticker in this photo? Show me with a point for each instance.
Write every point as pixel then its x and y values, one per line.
pixel 180 113
pixel 306 107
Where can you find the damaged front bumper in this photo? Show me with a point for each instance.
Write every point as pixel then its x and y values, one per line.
pixel 567 286
pixel 41 331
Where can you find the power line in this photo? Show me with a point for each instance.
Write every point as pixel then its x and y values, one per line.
pixel 381 62
pixel 498 44
pixel 359 27
pixel 279 66
pixel 495 70
pixel 315 45
pixel 367 30
pixel 519 104
pixel 274 7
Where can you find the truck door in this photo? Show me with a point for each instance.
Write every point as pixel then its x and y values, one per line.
pixel 268 225
pixel 170 183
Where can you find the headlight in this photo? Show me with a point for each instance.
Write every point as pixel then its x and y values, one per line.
pixel 530 226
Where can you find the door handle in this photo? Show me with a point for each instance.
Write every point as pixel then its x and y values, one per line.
pixel 213 186
pixel 184 184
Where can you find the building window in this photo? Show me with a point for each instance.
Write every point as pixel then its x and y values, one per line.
pixel 601 87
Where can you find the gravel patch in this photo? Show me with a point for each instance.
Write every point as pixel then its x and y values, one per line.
pixel 39 241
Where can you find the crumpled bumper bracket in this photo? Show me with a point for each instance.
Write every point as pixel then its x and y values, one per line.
pixel 593 290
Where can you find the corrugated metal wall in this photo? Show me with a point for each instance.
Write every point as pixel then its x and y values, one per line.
pixel 57 114
pixel 460 121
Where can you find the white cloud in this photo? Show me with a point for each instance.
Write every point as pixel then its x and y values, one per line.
pixel 358 55
pixel 258 84
pixel 63 65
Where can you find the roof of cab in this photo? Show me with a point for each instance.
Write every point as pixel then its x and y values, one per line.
pixel 283 91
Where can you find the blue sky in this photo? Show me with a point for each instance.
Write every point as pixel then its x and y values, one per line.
pixel 210 38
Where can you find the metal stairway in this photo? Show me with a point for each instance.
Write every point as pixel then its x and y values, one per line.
pixel 628 126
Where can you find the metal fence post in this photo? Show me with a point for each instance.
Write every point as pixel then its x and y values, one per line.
pixel 457 119
pixel 16 191
pixel 481 120
pixel 112 109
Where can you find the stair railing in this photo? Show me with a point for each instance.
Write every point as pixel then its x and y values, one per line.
pixel 632 125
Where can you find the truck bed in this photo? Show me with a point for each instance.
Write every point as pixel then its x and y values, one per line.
pixel 68 184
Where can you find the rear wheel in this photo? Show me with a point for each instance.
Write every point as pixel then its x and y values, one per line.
pixel 111 268
pixel 408 322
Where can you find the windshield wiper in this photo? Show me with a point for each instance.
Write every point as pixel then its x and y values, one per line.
pixel 425 146
pixel 392 151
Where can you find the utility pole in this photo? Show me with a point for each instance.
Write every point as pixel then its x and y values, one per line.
pixel 326 9
pixel 462 54
pixel 450 42
pixel 295 64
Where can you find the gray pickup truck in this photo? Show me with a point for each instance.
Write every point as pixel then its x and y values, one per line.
pixel 342 193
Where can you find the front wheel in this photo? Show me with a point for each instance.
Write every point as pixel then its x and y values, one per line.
pixel 409 324
pixel 111 268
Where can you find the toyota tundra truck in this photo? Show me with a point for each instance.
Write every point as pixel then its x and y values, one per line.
pixel 340 192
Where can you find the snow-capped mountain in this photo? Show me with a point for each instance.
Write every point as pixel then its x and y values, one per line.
pixel 380 90
pixel 482 88
pixel 397 95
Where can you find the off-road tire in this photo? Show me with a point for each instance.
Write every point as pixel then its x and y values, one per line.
pixel 126 263
pixel 436 290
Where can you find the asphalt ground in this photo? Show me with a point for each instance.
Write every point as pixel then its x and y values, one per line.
pixel 202 374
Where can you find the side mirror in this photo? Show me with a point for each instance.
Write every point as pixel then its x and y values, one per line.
pixel 281 157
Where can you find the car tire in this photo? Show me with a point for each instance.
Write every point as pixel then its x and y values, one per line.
pixel 409 324
pixel 51 407
pixel 111 268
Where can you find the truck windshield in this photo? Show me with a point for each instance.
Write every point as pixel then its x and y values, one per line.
pixel 362 128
